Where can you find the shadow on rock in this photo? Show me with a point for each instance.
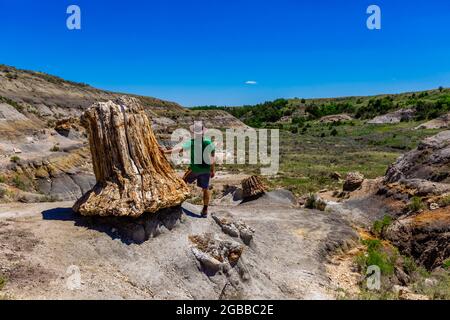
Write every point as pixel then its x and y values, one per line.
pixel 128 230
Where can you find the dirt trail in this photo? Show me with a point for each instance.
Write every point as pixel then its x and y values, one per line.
pixel 286 259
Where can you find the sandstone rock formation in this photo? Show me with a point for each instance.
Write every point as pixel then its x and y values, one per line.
pixel 133 176
pixel 252 187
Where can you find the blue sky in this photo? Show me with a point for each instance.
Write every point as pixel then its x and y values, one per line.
pixel 204 51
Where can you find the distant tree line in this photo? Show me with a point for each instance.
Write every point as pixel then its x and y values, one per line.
pixel 255 115
pixel 267 113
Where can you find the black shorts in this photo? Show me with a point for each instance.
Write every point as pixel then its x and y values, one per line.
pixel 202 179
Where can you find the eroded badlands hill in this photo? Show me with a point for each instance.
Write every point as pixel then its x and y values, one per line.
pixel 43 147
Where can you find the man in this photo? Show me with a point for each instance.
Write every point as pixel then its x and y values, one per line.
pixel 202 162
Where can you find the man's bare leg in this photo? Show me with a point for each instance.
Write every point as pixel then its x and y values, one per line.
pixel 206 197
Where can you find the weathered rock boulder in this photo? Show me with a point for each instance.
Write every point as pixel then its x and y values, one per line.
pixel 133 176
pixel 353 181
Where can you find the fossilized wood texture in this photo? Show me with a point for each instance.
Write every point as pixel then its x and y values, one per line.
pixel 133 175
pixel 252 187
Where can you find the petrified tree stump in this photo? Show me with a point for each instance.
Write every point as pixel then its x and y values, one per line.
pixel 252 187
pixel 133 175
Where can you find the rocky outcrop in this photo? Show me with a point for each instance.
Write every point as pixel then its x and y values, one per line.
pixel 61 176
pixel 430 161
pixel 424 236
pixel 394 117
pixel 133 176
pixel 423 173
pixel 353 181
pixel 70 128
pixel 438 123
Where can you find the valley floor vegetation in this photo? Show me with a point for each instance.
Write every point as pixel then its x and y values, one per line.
pixel 310 157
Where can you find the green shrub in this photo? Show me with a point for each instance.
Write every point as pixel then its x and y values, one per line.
pixel 377 255
pixel 380 225
pixel 416 204
pixel 376 106
pixel 2 179
pixel 446 264
pixel 334 132
pixel 15 159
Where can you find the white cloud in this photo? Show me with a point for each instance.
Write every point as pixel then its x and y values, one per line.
pixel 251 82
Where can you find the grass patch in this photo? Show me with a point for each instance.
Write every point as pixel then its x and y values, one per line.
pixel 445 201
pixel 309 157
pixel 17 106
pixel 21 183
pixel 416 204
pixel 438 289
pixel 433 284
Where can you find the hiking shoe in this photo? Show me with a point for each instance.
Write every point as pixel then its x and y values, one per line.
pixel 204 212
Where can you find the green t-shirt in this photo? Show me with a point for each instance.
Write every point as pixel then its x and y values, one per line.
pixel 197 164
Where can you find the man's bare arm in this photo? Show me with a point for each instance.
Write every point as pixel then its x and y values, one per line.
pixel 168 151
pixel 213 165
